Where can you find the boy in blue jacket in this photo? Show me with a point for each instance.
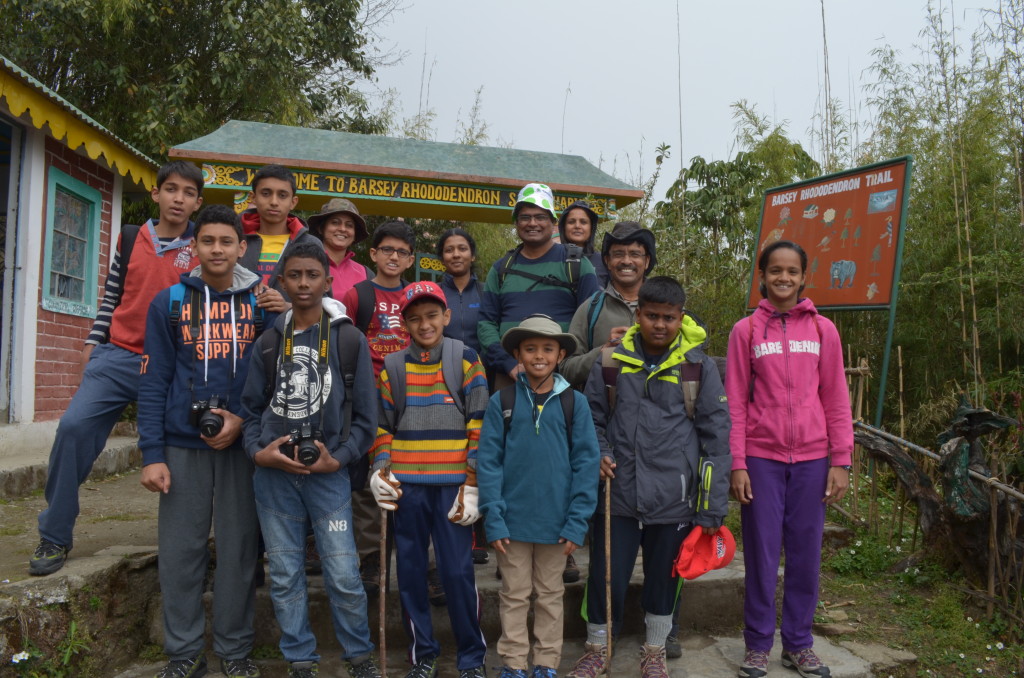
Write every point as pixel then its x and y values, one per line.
pixel 305 422
pixel 199 335
pixel 537 475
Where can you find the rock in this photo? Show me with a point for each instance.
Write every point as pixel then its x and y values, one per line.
pixel 837 535
pixel 837 615
pixel 880 657
pixel 833 630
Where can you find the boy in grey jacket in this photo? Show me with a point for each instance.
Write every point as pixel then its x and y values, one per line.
pixel 663 426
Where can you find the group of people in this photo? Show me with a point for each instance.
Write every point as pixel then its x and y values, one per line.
pixel 290 397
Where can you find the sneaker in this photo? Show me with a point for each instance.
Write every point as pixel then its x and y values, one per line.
pixel 543 672
pixel 369 572
pixel 480 556
pixel 313 565
pixel 184 668
pixel 508 672
pixel 239 668
pixel 672 648
pixel 571 573
pixel 303 670
pixel 48 558
pixel 435 589
pixel 475 672
pixel 755 664
pixel 365 669
pixel 593 663
pixel 424 668
pixel 652 662
pixel 806 663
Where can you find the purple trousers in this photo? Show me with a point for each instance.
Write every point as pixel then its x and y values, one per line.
pixel 786 514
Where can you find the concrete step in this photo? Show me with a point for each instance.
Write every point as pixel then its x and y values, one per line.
pixel 704 656
pixel 23 466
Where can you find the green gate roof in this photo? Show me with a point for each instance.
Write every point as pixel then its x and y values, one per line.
pixel 396 177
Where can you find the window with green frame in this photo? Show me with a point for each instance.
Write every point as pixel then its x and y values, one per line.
pixel 70 261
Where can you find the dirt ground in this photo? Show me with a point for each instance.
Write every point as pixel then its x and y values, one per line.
pixel 114 511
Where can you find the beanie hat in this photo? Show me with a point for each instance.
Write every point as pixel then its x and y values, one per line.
pixel 701 553
pixel 538 195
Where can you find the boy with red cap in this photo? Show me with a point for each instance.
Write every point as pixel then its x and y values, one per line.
pixel 432 399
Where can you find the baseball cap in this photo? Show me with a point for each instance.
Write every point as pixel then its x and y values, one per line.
pixel 701 553
pixel 422 290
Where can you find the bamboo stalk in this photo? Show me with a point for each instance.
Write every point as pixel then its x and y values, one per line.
pixel 993 551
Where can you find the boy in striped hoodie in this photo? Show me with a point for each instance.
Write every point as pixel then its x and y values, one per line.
pixel 432 399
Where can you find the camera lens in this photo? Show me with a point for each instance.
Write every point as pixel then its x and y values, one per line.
pixel 210 424
pixel 307 452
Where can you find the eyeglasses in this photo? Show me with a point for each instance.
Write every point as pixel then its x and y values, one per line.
pixel 388 251
pixel 525 219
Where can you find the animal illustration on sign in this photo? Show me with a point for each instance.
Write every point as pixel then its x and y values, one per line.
pixel 841 274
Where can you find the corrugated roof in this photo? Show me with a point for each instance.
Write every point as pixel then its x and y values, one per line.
pixel 254 142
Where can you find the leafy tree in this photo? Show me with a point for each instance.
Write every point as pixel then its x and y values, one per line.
pixel 159 73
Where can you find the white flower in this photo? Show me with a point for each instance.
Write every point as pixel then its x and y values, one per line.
pixel 970 619
pixel 898 549
pixel 979 670
pixel 858 543
pixel 962 656
pixel 852 552
pixel 999 646
pixel 20 657
pixel 988 647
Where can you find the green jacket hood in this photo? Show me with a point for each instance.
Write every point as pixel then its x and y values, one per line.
pixel 691 335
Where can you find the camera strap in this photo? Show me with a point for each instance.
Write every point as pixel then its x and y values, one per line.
pixel 322 361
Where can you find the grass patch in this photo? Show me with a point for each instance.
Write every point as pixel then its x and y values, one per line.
pixel 917 606
pixel 12 531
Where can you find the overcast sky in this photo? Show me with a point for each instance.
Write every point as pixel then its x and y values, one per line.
pixel 618 62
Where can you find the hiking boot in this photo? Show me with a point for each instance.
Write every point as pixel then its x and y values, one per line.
pixel 652 662
pixel 571 573
pixel 475 672
pixel 184 668
pixel 755 664
pixel 424 668
pixel 508 672
pixel 369 572
pixel 543 672
pixel 806 663
pixel 239 668
pixel 672 648
pixel 593 663
pixel 435 589
pixel 303 670
pixel 48 558
pixel 313 565
pixel 365 669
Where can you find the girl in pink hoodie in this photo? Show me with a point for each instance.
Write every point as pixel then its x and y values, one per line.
pixel 791 442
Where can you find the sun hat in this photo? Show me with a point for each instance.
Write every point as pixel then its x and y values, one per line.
pixel 339 206
pixel 701 553
pixel 538 195
pixel 422 290
pixel 630 231
pixel 537 325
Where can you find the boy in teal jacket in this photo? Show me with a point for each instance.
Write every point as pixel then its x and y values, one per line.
pixel 537 472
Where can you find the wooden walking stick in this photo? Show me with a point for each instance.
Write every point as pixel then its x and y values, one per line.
pixel 383 582
pixel 608 571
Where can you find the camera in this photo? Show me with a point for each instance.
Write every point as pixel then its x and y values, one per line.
pixel 301 445
pixel 200 416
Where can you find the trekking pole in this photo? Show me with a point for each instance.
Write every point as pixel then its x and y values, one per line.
pixel 383 582
pixel 608 570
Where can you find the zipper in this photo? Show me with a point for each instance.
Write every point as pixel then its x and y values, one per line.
pixel 707 468
pixel 789 391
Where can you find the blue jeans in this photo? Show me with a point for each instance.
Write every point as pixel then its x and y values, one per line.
pixel 284 503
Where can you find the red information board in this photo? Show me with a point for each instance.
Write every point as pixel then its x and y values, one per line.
pixel 851 226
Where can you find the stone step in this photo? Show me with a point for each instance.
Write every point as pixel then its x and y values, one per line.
pixel 704 656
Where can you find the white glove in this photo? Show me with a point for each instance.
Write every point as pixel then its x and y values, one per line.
pixel 465 510
pixel 386 489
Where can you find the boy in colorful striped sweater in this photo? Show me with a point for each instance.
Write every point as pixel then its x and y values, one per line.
pixel 432 400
